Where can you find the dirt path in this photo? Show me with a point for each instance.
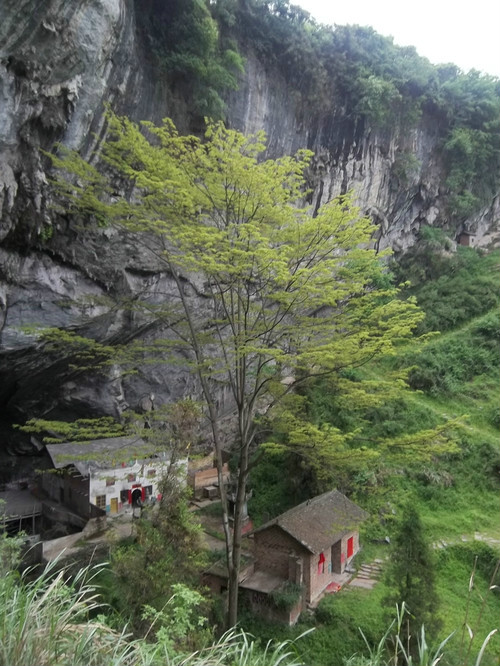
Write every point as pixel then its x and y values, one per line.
pixel 484 538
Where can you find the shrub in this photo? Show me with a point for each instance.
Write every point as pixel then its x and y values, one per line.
pixel 286 595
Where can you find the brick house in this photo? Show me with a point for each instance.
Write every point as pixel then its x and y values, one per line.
pixel 311 544
pixel 308 546
pixel 106 475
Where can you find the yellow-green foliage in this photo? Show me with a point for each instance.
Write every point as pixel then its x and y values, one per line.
pixel 286 285
pixel 291 295
pixel 286 295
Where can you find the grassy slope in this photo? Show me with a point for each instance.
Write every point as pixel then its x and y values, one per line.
pixel 457 496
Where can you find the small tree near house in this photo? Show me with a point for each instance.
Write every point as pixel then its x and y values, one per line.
pixel 263 295
pixel 411 577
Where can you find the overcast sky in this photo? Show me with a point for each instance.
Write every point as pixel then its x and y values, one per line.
pixel 464 32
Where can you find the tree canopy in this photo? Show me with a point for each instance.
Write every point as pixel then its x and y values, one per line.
pixel 264 295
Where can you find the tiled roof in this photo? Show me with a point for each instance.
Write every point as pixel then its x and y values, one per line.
pixel 101 453
pixel 321 521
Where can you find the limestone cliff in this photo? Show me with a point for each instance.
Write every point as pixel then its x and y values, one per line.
pixel 61 61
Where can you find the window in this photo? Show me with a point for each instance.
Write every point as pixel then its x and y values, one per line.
pixel 148 491
pixel 100 501
pixel 110 481
pixel 151 473
pixel 131 478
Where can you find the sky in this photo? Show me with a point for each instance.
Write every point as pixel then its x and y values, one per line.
pixel 464 32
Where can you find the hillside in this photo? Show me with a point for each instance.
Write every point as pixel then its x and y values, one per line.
pixel 237 235
pixel 456 495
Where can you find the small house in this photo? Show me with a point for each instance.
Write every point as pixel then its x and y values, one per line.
pixel 105 475
pixel 467 239
pixel 298 556
pixel 311 544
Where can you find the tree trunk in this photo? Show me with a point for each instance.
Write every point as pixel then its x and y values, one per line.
pixel 233 582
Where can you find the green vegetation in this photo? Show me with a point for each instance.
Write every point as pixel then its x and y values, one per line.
pixel 446 364
pixel 58 620
pixel 50 621
pixel 191 50
pixel 456 494
pixel 382 84
pixel 196 45
pixel 167 550
pixel 213 208
pixel 266 268
pixel 452 288
pixel 339 617
pixel 286 595
pixel 411 577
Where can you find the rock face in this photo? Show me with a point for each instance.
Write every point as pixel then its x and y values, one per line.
pixel 61 61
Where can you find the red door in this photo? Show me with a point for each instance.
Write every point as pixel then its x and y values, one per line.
pixel 350 547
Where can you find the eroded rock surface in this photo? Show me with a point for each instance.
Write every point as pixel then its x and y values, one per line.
pixel 61 61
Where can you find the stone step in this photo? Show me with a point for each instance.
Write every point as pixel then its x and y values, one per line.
pixel 371 569
pixel 366 583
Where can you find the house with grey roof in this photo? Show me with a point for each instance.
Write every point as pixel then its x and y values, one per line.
pixel 105 475
pixel 303 552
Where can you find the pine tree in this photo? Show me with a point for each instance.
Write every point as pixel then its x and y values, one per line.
pixel 411 577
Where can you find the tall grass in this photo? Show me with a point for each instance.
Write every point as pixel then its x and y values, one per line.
pixel 391 650
pixel 58 620
pixel 47 622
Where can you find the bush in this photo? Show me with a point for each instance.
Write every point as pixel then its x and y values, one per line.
pixel 451 288
pixel 475 553
pixel 445 365
pixel 286 595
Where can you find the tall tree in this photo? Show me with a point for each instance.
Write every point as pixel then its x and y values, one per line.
pixel 411 577
pixel 280 295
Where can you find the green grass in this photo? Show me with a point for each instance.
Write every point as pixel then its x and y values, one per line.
pixel 212 509
pixel 450 513
pixel 479 608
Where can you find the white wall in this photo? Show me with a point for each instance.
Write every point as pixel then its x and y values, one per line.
pixel 120 475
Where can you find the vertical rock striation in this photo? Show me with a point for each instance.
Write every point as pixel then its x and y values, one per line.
pixel 61 62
